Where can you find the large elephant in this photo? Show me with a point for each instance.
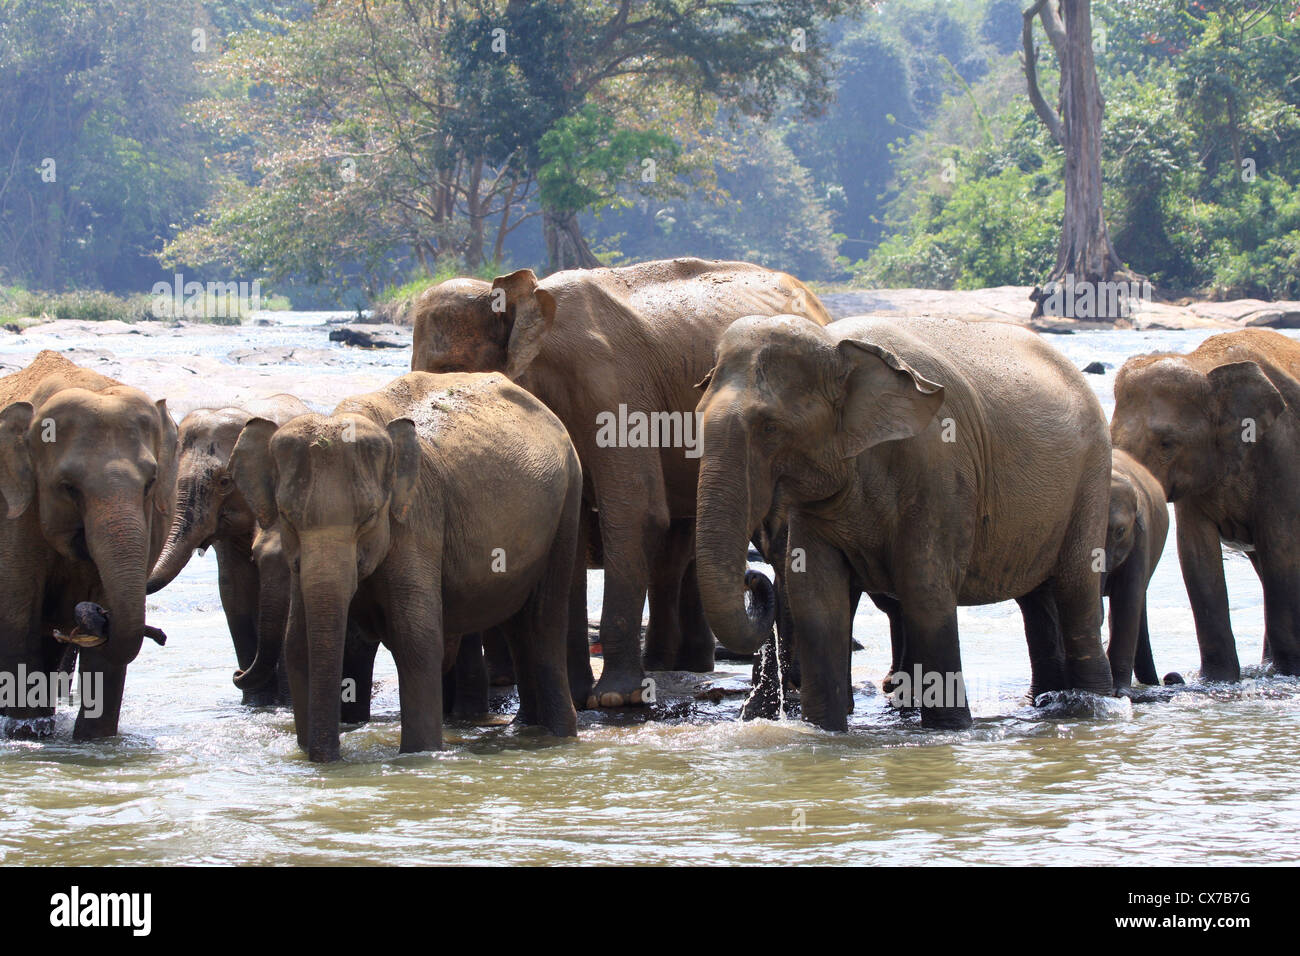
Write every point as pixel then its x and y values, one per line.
pixel 1218 429
pixel 606 349
pixel 209 511
pixel 935 462
pixel 440 505
pixel 1135 539
pixel 86 470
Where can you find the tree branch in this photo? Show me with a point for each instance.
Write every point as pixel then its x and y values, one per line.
pixel 1030 61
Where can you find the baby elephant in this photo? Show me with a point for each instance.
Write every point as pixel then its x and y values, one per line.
pixel 209 511
pixel 437 506
pixel 1135 539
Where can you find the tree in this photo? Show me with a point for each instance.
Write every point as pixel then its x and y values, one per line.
pixel 525 66
pixel 1085 253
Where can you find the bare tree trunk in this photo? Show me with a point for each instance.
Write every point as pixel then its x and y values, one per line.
pixel 565 247
pixel 474 210
pixel 1085 254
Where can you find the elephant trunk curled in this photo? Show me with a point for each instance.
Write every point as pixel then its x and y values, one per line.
pixel 195 522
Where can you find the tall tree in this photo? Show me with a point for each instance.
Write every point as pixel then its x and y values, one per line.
pixel 527 65
pixel 1085 252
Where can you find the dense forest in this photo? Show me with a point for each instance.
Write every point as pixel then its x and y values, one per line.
pixel 340 148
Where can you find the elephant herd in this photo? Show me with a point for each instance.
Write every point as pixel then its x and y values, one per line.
pixel 653 421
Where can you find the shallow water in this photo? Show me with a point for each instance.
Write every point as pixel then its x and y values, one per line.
pixel 1205 774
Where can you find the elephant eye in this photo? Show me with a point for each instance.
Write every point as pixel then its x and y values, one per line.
pixel 225 482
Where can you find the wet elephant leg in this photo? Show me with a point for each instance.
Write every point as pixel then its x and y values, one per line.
pixel 663 637
pixel 23 650
pixel 102 685
pixel 898 662
pixel 500 666
pixel 820 607
pixel 697 638
pixel 359 651
pixel 295 661
pixel 1266 657
pixel 1200 555
pixel 1144 664
pixel 467 695
pixel 1047 666
pixel 634 527
pixel 1281 582
pixel 577 643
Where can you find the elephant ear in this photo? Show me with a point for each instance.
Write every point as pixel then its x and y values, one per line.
pixel 253 469
pixel 529 313
pixel 406 467
pixel 17 477
pixel 884 399
pixel 168 460
pixel 1248 404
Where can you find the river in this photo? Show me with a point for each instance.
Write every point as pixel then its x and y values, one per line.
pixel 1201 774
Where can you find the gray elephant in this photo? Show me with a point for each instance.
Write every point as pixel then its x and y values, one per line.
pixel 935 462
pixel 86 470
pixel 1135 539
pixel 439 506
pixel 615 353
pixel 1218 429
pixel 209 511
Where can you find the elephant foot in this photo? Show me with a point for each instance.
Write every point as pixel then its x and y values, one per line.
pixel 88 729
pixel 1226 673
pixel 946 718
pixel 27 727
pixel 263 697
pixel 618 690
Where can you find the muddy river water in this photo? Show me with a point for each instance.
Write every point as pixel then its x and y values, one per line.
pixel 1200 774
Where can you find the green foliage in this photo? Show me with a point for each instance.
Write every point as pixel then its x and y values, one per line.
pixel 585 160
pixel 17 304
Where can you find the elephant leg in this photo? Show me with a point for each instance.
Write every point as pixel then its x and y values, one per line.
pixel 697 639
pixel 1045 641
pixel 23 651
pixel 273 615
pixel 295 660
pixel 1200 554
pixel 935 654
pixel 468 679
pixel 663 637
pixel 820 607
pixel 1266 657
pixel 416 641
pixel 358 674
pixel 1078 602
pixel 501 667
pixel 1144 663
pixel 1281 584
pixel 537 634
pixel 102 685
pixel 634 527
pixel 238 583
pixel 578 645
pixel 898 662
pixel 1127 585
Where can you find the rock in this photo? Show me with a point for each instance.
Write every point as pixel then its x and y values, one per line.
pixel 366 339
pixel 1095 368
pixel 1173 677
pixel 283 356
pixel 14 328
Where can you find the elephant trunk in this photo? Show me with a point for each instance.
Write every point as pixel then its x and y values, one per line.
pixel 260 673
pixel 117 537
pixel 328 581
pixel 195 522
pixel 724 525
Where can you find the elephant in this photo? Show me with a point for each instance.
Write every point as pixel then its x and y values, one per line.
pixel 86 470
pixel 935 462
pixel 438 506
pixel 607 349
pixel 1217 427
pixel 209 511
pixel 1135 539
